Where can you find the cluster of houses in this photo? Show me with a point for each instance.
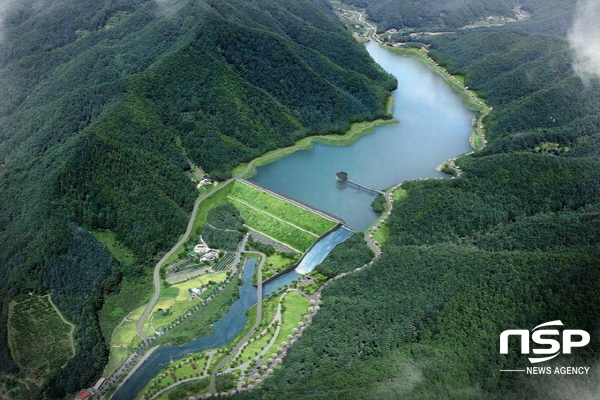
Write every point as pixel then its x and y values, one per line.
pixel 205 252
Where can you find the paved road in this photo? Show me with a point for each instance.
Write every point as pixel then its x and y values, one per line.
pixel 188 231
pixel 156 274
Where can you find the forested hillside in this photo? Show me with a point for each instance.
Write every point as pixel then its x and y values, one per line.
pixel 510 244
pixel 549 16
pixel 104 106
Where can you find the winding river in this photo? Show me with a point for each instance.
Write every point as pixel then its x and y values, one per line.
pixel 434 126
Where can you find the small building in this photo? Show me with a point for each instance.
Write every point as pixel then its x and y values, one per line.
pixel 209 256
pixel 195 291
pixel 83 395
pixel 201 248
pixel 342 176
pixel 99 384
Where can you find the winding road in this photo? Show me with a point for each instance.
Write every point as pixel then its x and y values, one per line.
pixel 156 273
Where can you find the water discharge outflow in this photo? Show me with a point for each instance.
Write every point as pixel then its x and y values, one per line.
pixel 434 127
pixel 319 250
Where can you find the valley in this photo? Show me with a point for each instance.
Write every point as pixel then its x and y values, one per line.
pixel 285 281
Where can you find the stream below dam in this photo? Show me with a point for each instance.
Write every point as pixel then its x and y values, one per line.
pixel 434 125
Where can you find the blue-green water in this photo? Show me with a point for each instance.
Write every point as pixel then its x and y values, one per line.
pixel 232 323
pixel 434 126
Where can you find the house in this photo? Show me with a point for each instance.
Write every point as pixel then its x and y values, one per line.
pixel 83 395
pixel 99 384
pixel 201 248
pixel 209 256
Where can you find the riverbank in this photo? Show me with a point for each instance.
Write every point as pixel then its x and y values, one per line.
pixel 356 131
pixel 351 136
pixel 469 97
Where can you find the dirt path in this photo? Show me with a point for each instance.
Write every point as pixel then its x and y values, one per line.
pixel 62 317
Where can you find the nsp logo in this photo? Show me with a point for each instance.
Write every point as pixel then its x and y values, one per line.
pixel 570 338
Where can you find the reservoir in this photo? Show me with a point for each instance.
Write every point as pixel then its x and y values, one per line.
pixel 434 125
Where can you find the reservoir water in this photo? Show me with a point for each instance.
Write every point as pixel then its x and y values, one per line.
pixel 434 125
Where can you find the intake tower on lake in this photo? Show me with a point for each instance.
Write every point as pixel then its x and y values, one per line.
pixel 342 176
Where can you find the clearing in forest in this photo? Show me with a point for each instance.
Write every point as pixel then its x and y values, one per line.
pixel 40 338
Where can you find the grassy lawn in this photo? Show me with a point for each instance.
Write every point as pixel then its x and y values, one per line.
pixel 281 208
pixel 175 300
pixel 382 234
pixel 295 307
pixel 38 337
pixel 276 263
pixel 460 78
pixel 399 194
pixel 476 141
pixel 123 339
pixel 274 228
pixel 279 262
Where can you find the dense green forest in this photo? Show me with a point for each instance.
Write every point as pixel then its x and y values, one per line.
pixel 224 228
pixel 512 243
pixel 105 105
pixel 549 16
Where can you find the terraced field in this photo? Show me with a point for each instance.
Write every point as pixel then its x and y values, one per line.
pixel 40 339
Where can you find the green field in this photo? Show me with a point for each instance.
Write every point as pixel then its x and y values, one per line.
pixel 175 300
pixel 277 218
pixel 123 339
pixel 281 208
pixel 276 229
pixel 40 340
pixel 382 235
pixel 276 263
pixel 295 307
pixel 182 369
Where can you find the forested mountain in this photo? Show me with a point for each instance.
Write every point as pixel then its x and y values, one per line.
pixel 511 243
pixel 103 104
pixel 546 15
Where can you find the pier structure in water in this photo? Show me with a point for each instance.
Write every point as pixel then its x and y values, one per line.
pixel 342 176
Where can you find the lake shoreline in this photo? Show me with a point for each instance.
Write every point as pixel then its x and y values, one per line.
pixel 477 139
